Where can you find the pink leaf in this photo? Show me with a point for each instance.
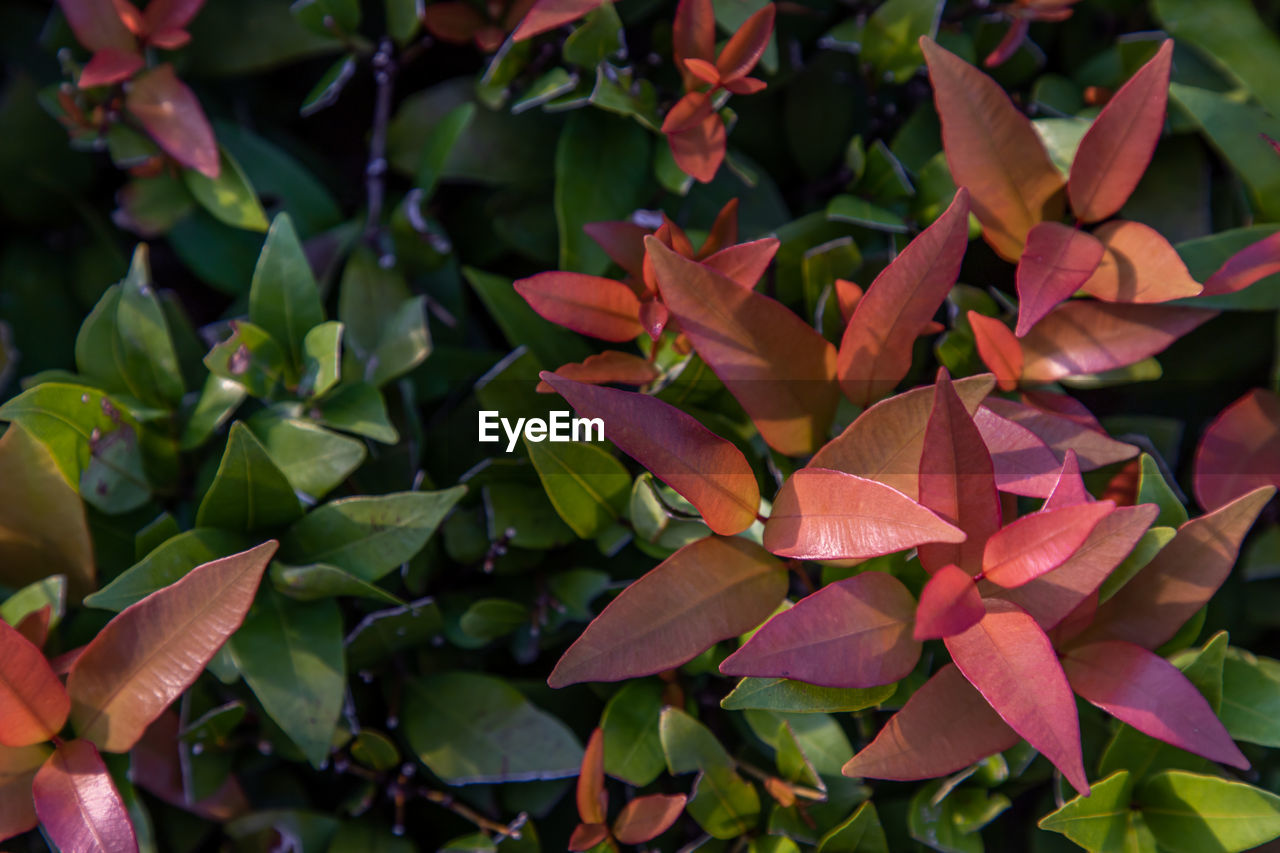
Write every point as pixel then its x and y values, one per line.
pixel 852 633
pixel 1247 266
pixel 1069 490
pixel 1058 260
pixel 172 115
pixel 623 242
pixel 1062 433
pixel 606 368
pixel 1139 266
pixel 1037 544
pixel 1240 450
pixel 109 66
pixel 998 349
pixel 587 304
pixel 1023 463
pixel 821 514
pixel 79 805
pixel 97 25
pixel 746 262
pixel 1152 695
pixel 949 604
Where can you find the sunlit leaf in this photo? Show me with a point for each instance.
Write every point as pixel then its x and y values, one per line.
pixel 998 349
pixel 1057 260
pixel 1190 812
pixel 1139 266
pixel 249 492
pixel 1093 447
pixel 1103 820
pixel 33 703
pixel 1037 544
pixel 1240 450
pixel 18 766
pixel 588 304
pixel 949 604
pixel 78 803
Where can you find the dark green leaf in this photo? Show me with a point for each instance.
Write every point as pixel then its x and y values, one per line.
pixel 588 487
pixel 249 492
pixel 357 408
pixel 632 747
pixel 165 565
pixel 283 298
pixel 313 459
pixel 229 197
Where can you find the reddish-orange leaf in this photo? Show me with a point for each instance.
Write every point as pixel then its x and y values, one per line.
pixel 18 766
pixel 747 45
pixel 1008 657
pixel 1069 490
pixel 1183 576
pixel 945 726
pixel 1240 450
pixel 1123 485
pixel 1023 463
pixel 1247 266
pixel 1118 146
pixel 885 442
pixel 155 763
pixel 847 296
pixel 548 14
pixel 821 514
pixel 699 148
pixel 172 115
pixel 1082 336
pixel 645 818
pixel 78 804
pixel 957 481
pixel 35 626
pixel 1152 695
pixel 711 590
pixel 593 799
pixel 588 304
pixel 693 36
pixel 1139 266
pixel 1037 544
pixel 132 18
pixel 454 21
pixel 1019 26
pixel 109 66
pixel 949 604
pixel 998 349
pixel 153 650
pixel 702 71
pixel 1062 433
pixel 588 835
pixel 875 351
pixel 851 633
pixel 33 703
pixel 993 151
pixel 707 470
pixel 746 262
pixel 97 25
pixel 606 368
pixel 687 112
pixel 777 366
pixel 1057 261
pixel 623 242
pixel 723 233
pixel 165 15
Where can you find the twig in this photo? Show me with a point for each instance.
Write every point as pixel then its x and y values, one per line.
pixel 384 73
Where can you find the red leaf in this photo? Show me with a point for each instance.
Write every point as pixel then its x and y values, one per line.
pixel 886 441
pixel 35 626
pixel 949 604
pixel 1058 260
pixel 1139 266
pixel 747 45
pixel 875 352
pixel 18 766
pixel 162 15
pixel 593 799
pixel 693 36
pixel 1152 695
pixel 97 25
pixel 847 296
pixel 745 263
pixel 1240 450
pixel 109 66
pixel 723 233
pixel 623 242
pixel 1023 463
pixel 851 633
pixel 993 151
pixel 945 726
pixel 1008 46
pixel 821 514
pixel 1118 146
pixel 998 349
pixel 1037 544
pixel 588 835
pixel 587 304
pixel 456 21
pixel 746 86
pixel 957 481
pixel 1069 490
pixel 778 367
pixel 1008 657
pixel 1247 266
pixel 131 17
pixel 1061 433
pixel 172 115
pixel 702 71
pixel 1183 576
pixel 548 14
pixel 645 818
pixel 699 148
pixel 154 650
pixel 1082 337
pixel 687 112
pixel 606 368
pixel 33 703
pixel 711 590
pixel 708 471
pixel 79 805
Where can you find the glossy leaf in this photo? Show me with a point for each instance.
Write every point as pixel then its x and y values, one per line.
pixel 1150 694
pixel 875 351
pixel 33 703
pixel 1139 266
pixel 249 492
pixel 1190 812
pixel 313 459
pixel 1011 662
pixel 778 367
pixel 860 833
pixel 154 650
pixel 647 817
pixel 309 583
pixel 588 487
pixel 998 349
pixel 949 604
pixel 853 633
pixel 693 37
pixel 590 305
pixel 1036 544
pixel 825 515
pixel 1251 697
pixel 283 296
pixel 1240 450
pixel 632 747
pixel 172 115
pixel 1118 146
pixel 546 15
pixel 1101 821
pixel 993 152
pixel 707 470
pixel 1093 447
pixel 1069 489
pixel 1023 463
pixel 1057 261
pixel 732 585
pixel 744 263
pixel 78 803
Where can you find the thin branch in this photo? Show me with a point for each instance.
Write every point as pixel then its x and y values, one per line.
pixel 384 74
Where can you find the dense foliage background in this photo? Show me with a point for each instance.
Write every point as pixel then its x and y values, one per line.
pixel 394 168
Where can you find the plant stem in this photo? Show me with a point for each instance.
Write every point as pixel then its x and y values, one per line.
pixel 384 74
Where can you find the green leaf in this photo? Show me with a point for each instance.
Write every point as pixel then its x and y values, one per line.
pixel 602 170
pixel 1101 822
pixel 632 746
pixel 316 15
pixel 217 402
pixel 818 736
pixel 1232 33
pixel 367 296
pixel 251 357
pixel 249 492
pixel 321 359
pixel 369 536
pixel 688 744
pixel 165 565
pixel 357 408
pixel 386 632
pixel 1151 543
pixel 785 695
pixel 274 171
pixel 368 837
pixel 404 19
pixel 309 583
pixel 440 142
pixel 284 299
pixel 940 823
pixel 598 37
pixel 290 654
pixel 488 619
pixel 229 197
pixel 404 344
pixel 376 750
pixel 857 211
pixel 522 515
pixel 588 487
pixel 328 88
pixel 1203 256
pixel 550 344
pixel 1153 489
pixel 723 803
pixel 860 833
pixel 313 459
pixel 49 592
pixel 1251 697
pixel 469 728
pixel 891 39
pixel 215 725
pixel 1191 813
